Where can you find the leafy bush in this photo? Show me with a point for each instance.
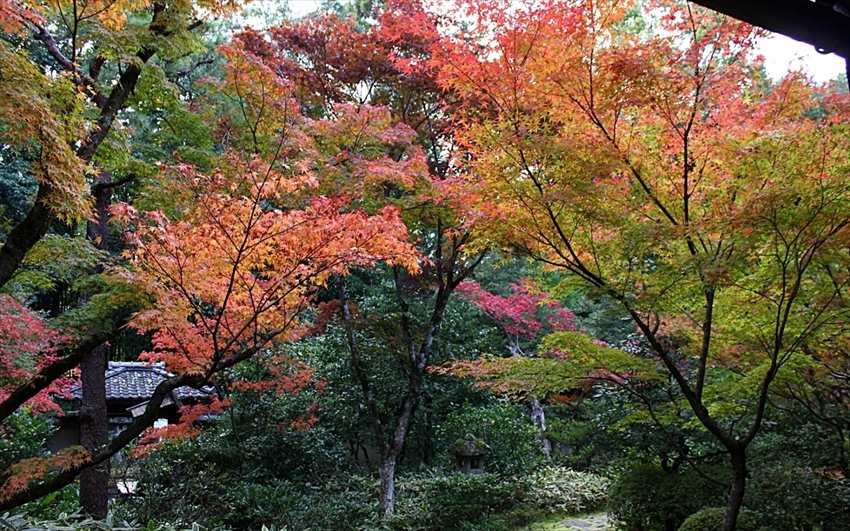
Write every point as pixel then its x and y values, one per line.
pixel 341 504
pixel 75 522
pixel 505 427
pixel 559 489
pixel 223 502
pixel 711 519
pixel 203 481
pixel 788 498
pixel 23 434
pixel 63 501
pixel 453 502
pixel 648 498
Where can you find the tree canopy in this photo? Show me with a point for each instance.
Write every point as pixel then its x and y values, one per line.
pixel 212 192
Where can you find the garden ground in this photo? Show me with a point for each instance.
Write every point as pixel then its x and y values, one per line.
pixel 587 522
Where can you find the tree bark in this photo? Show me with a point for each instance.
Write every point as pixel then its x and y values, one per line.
pixel 26 234
pixel 736 492
pixel 387 499
pixel 94 418
pixel 94 432
pixel 538 418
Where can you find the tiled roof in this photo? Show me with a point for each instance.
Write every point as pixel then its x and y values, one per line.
pixel 136 381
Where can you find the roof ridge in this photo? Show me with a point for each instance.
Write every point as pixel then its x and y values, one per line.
pixel 136 364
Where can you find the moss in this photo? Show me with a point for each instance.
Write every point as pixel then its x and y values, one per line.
pixel 469 446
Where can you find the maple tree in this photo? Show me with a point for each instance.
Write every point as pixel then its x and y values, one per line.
pixel 663 171
pixel 526 314
pixel 227 268
pixel 519 314
pixel 378 86
pixel 61 118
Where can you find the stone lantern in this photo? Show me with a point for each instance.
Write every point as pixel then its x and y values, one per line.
pixel 469 454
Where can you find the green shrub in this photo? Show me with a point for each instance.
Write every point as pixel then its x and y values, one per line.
pixel 23 434
pixel 799 498
pixel 454 502
pixel 560 489
pixel 76 522
pixel 340 504
pixel 344 503
pixel 648 498
pixel 711 519
pixel 504 427
pixel 63 501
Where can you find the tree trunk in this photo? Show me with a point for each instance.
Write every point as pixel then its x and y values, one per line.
pixel 393 448
pixel 538 418
pixel 736 492
pixel 449 275
pixel 94 433
pixel 26 234
pixel 94 419
pixel 387 499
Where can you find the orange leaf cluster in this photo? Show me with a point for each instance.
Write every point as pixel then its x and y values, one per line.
pixel 658 167
pixel 286 376
pixel 15 16
pixel 235 271
pixel 21 473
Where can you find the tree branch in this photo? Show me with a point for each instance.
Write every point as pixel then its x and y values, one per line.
pixel 100 187
pixel 86 81
pixel 43 378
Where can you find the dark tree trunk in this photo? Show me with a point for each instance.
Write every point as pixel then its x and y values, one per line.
pixel 94 432
pixel 94 419
pixel 736 492
pixel 26 234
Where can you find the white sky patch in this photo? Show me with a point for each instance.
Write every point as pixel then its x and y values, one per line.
pixel 783 53
pixel 303 7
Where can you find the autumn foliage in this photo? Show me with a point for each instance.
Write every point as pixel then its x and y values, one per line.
pixel 518 312
pixel 233 273
pixel 660 169
pixel 27 344
pixel 667 173
pixel 251 230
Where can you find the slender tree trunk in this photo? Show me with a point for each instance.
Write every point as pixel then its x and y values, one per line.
pixel 387 499
pixel 417 346
pixel 736 492
pixel 538 418
pixel 94 419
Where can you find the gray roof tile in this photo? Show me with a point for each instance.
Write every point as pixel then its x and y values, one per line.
pixel 137 380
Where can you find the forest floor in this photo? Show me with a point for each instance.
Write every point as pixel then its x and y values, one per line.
pixel 586 522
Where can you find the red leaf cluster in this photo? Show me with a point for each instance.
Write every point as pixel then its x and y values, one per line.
pixel 27 343
pixel 523 313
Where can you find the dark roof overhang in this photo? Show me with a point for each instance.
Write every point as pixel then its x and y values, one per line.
pixel 824 24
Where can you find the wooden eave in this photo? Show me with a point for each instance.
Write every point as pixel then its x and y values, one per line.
pixel 824 24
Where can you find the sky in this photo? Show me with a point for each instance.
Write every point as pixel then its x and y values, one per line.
pixel 783 53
